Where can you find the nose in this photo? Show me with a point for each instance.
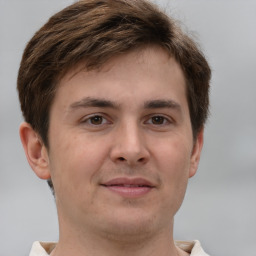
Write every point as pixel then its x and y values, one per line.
pixel 129 146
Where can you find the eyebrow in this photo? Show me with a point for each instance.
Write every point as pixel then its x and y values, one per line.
pixel 162 103
pixel 104 103
pixel 93 102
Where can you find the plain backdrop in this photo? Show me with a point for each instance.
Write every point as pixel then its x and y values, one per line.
pixel 220 205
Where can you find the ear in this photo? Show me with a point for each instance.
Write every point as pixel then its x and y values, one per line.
pixel 196 153
pixel 35 150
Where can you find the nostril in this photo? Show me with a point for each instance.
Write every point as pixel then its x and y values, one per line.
pixel 141 159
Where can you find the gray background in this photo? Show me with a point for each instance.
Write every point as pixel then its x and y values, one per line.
pixel 220 205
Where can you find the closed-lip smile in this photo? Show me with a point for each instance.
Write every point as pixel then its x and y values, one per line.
pixel 129 187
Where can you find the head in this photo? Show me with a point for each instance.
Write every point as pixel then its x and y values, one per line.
pixel 93 31
pixel 103 38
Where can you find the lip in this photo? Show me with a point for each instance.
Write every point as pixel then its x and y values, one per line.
pixel 129 187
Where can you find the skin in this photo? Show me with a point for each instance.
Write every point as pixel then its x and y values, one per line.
pixel 129 119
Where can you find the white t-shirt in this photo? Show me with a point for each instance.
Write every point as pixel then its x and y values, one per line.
pixel 192 247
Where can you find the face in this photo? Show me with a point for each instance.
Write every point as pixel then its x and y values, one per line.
pixel 120 144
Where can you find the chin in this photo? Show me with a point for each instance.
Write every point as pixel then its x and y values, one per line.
pixel 128 224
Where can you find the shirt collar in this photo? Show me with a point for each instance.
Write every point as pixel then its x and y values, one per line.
pixel 192 247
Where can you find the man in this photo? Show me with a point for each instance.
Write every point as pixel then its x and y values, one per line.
pixel 115 98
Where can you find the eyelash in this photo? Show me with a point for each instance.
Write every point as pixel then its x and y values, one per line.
pixel 162 118
pixel 88 120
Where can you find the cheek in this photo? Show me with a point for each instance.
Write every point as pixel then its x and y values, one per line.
pixel 173 160
pixel 174 157
pixel 75 162
pixel 174 163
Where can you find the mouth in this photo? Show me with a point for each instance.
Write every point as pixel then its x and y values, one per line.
pixel 130 188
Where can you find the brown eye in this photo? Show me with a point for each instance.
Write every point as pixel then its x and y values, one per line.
pixel 96 120
pixel 158 120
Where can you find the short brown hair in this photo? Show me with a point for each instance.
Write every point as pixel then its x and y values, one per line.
pixel 93 31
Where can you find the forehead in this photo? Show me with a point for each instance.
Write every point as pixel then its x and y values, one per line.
pixel 148 71
pixel 147 56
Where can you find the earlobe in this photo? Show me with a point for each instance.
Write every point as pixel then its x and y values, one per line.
pixel 35 151
pixel 196 153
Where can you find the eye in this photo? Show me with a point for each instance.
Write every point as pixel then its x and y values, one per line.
pixel 158 120
pixel 95 120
